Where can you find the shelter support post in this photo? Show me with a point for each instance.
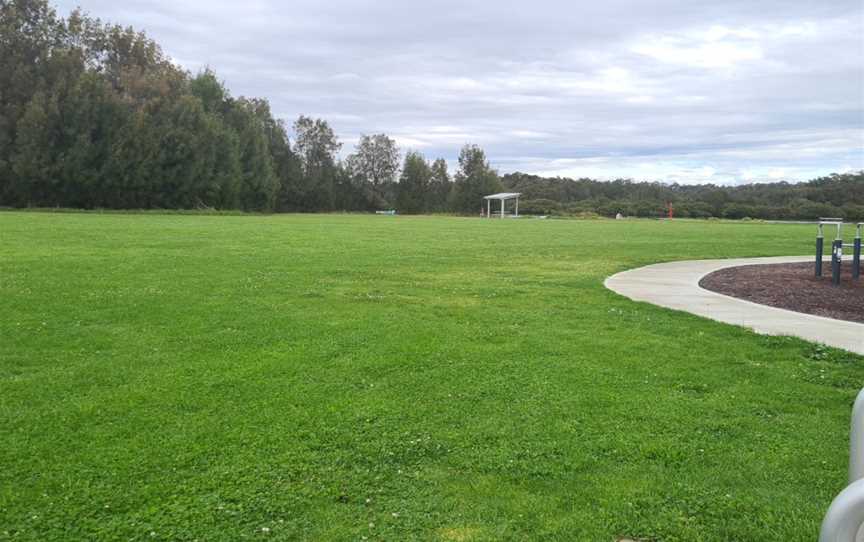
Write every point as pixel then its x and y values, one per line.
pixel 856 254
pixel 820 247
pixel 836 260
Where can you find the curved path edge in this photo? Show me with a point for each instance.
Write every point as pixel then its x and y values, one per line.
pixel 675 285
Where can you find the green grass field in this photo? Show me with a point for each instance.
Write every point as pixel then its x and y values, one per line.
pixel 355 377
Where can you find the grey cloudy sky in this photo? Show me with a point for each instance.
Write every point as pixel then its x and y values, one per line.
pixel 683 91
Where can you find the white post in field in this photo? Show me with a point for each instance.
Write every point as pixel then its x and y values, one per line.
pixel 503 204
pixel 517 207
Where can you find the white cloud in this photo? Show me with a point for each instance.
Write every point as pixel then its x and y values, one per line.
pixel 640 99
pixel 707 54
pixel 707 172
pixel 528 134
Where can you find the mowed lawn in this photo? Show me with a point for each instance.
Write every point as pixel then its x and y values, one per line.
pixel 169 377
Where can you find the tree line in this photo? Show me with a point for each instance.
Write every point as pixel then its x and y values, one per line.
pixel 836 195
pixel 95 115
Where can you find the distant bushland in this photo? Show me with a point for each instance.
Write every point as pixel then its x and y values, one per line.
pixel 832 196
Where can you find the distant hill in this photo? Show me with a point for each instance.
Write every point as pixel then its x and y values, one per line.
pixel 837 195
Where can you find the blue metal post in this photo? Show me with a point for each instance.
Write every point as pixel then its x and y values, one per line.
pixel 856 255
pixel 836 260
pixel 820 247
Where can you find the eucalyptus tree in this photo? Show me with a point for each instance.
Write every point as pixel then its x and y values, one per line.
pixel 376 159
pixel 475 179
pixel 259 185
pixel 317 147
pixel 440 186
pixel 29 32
pixel 413 191
pixel 374 165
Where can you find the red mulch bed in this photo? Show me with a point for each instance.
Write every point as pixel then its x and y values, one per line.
pixel 794 287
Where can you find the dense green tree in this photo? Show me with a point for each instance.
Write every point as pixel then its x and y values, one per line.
pixel 212 92
pixel 373 166
pixel 414 183
pixel 92 118
pixel 33 160
pixel 316 146
pixel 29 32
pixel 286 163
pixel 474 180
pixel 440 187
pixel 258 185
pixel 376 159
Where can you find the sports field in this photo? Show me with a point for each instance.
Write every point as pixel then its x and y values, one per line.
pixel 326 377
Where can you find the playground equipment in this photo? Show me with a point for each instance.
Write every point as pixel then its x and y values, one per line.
pixel 845 517
pixel 837 247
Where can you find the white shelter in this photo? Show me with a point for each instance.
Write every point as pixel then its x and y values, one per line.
pixel 503 198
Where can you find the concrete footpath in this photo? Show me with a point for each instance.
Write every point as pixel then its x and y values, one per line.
pixel 675 285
